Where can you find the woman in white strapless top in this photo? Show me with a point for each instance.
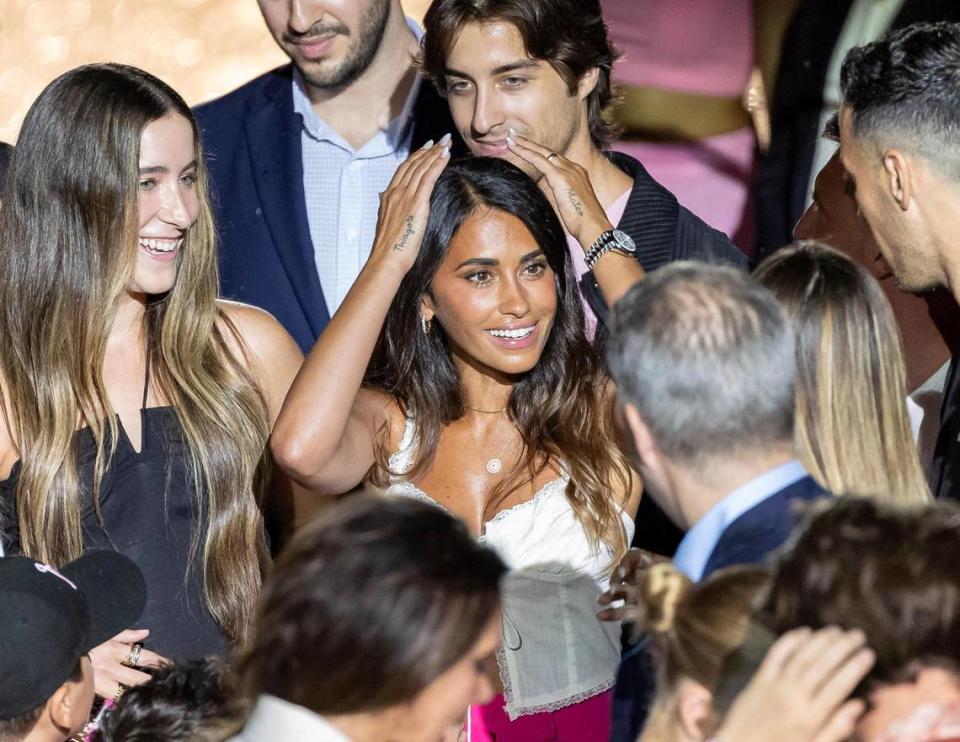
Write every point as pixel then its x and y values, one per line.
pixel 485 398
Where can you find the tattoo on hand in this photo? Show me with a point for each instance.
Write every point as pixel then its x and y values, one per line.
pixel 407 234
pixel 575 202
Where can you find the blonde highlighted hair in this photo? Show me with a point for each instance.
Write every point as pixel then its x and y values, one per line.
pixel 68 241
pixel 852 428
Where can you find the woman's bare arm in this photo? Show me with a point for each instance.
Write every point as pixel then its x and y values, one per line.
pixel 326 433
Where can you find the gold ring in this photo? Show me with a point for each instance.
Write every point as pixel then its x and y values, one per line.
pixel 133 656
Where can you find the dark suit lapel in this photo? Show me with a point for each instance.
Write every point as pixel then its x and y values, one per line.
pixel 273 137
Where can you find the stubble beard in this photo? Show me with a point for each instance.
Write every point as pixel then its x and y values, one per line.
pixel 373 26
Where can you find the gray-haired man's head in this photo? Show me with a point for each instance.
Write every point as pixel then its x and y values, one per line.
pixel 705 357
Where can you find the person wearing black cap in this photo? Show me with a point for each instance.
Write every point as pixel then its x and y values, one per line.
pixel 51 618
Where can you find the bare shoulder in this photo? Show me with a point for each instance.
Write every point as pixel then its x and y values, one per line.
pixel 261 343
pixel 259 329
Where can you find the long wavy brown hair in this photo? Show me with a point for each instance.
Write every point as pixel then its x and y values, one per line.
pixel 68 242
pixel 559 407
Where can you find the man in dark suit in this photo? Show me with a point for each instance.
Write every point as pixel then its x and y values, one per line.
pixel 298 156
pixel 703 358
pixel 816 40
pixel 704 362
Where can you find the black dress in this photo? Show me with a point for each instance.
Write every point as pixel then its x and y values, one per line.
pixel 150 513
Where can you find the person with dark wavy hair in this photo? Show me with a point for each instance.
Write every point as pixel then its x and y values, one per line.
pixel 489 401
pixel 891 572
pixel 379 622
pixel 193 701
pixel 900 145
pixel 529 81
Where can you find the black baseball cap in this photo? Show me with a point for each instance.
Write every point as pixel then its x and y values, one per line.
pixel 50 618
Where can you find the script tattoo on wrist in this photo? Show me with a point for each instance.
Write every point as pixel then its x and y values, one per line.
pixel 407 234
pixel 575 202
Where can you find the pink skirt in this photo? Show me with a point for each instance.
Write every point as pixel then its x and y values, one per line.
pixel 587 721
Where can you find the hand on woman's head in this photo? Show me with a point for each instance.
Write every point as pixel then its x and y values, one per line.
pixel 801 693
pixel 405 205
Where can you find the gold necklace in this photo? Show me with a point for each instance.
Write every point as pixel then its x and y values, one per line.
pixel 484 412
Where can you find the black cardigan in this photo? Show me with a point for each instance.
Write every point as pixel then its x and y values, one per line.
pixel 664 231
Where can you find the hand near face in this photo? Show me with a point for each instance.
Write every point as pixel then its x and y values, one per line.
pixel 405 205
pixel 569 189
pixel 801 691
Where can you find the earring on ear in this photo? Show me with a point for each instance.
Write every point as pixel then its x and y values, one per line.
pixel 426 325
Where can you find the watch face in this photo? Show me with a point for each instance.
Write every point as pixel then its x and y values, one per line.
pixel 626 241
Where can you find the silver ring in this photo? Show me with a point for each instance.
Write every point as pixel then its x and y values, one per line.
pixel 551 155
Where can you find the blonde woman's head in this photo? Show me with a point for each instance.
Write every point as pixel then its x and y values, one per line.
pixel 852 429
pixel 694 628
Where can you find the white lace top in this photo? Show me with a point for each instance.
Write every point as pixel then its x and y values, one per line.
pixel 555 651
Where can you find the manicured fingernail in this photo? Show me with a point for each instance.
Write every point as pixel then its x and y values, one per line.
pixel 511 131
pixel 510 140
pixel 428 144
pixel 445 152
pixel 446 139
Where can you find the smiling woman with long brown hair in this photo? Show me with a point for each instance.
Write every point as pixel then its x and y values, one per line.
pixel 137 405
pixel 488 401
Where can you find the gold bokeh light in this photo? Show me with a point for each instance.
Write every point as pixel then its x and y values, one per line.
pixel 203 48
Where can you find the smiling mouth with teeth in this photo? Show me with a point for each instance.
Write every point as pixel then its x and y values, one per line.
pixel 160 245
pixel 515 334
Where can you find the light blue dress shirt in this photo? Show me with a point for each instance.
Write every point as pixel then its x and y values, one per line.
pixel 699 542
pixel 342 187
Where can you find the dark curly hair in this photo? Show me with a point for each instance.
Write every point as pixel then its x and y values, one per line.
pixel 907 85
pixel 191 701
pixel 886 570
pixel 569 34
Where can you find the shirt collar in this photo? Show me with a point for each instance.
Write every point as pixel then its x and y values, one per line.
pixel 389 140
pixel 699 542
pixel 274 718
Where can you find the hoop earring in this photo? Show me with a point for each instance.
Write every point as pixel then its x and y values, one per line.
pixel 426 325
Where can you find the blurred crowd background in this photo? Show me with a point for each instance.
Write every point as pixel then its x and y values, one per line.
pixel 203 48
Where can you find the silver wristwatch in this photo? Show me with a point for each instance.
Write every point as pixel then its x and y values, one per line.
pixel 612 239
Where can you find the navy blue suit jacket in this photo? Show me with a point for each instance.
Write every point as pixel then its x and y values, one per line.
pixel 252 146
pixel 750 539
pixel 764 528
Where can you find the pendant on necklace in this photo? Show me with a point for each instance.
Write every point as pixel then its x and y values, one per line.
pixel 494 465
